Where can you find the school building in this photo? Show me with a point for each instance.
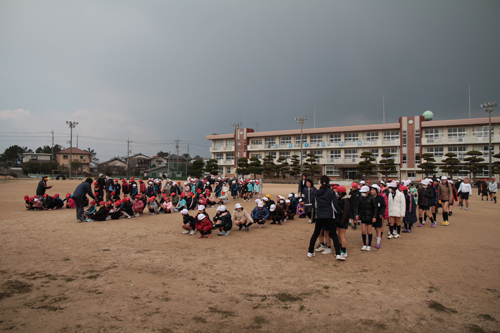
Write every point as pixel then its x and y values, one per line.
pixel 339 148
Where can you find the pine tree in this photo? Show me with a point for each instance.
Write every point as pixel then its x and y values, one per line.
pixel 255 166
pixel 386 165
pixel 268 167
pixel 366 167
pixel 311 166
pixel 429 166
pixel 242 168
pixel 451 164
pixel 212 167
pixel 474 161
pixel 496 165
pixel 295 166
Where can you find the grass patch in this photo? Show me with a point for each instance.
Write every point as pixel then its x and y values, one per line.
pixel 440 307
pixel 223 313
pixel 486 317
pixel 287 297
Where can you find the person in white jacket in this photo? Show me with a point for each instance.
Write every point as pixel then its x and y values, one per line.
pixel 492 187
pixel 464 191
pixel 397 210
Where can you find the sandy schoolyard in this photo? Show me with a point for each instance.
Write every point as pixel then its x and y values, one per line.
pixel 143 275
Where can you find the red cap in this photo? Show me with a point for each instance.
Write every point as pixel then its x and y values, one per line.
pixel 56 195
pixel 92 202
pixel 368 181
pixel 113 193
pixel 138 196
pixel 45 195
pixel 26 197
pixel 132 178
pixel 341 189
pixel 151 199
pixel 118 203
pixel 95 183
pixel 204 180
pixel 140 181
pixel 178 183
pixel 402 188
pixel 96 194
pixel 116 180
pixel 354 185
pixel 164 195
pixel 31 199
pixel 223 193
pixel 124 181
pixel 198 190
pixel 68 195
pixel 172 194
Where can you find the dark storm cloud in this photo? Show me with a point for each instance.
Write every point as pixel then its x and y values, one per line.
pixel 191 68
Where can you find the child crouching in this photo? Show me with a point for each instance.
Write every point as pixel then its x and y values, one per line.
pixel 204 226
pixel 90 212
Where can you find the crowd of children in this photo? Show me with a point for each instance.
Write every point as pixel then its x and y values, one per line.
pixel 399 205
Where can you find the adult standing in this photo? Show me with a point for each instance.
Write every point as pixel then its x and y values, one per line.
pixel 109 187
pixel 302 183
pixel 101 183
pixel 165 186
pixel 326 208
pixel 79 196
pixel 42 186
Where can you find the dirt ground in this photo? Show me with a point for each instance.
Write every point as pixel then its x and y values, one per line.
pixel 142 274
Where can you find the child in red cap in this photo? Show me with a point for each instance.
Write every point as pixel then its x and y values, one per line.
pixel 90 212
pixel 138 206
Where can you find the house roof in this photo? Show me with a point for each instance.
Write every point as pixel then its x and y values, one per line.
pixel 74 151
pixel 140 155
pixel 111 160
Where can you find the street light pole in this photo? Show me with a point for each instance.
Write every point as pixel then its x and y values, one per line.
pixel 72 124
pixel 488 107
pixel 301 120
pixel 237 143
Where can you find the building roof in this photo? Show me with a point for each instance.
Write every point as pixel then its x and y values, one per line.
pixel 460 122
pixel 39 154
pixel 111 160
pixel 74 151
pixel 140 155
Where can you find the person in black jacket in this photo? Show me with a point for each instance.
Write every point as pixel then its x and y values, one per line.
pixel 381 207
pixel 308 194
pixel 102 213
pixel 302 183
pixel 368 212
pixel 426 196
pixel 79 195
pixel 42 186
pixel 108 187
pixel 325 210
pixel 355 195
pixel 343 220
pixel 101 183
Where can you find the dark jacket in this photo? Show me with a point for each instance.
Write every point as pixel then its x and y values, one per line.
pixel 278 214
pixel 411 210
pixel 259 214
pixel 428 195
pixel 42 187
pixel 308 197
pixel 368 209
pixel 355 195
pixel 302 185
pixel 381 206
pixel 325 204
pixel 101 214
pixel 109 183
pixel 345 206
pixel 82 190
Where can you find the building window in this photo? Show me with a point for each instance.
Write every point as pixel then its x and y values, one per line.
pixel 285 140
pixel 351 137
pixel 316 139
pixel 390 136
pixel 437 151
pixel 270 142
pixel 481 132
pixel 411 175
pixel 371 136
pixel 457 133
pixel 230 142
pixel 33 157
pixel 334 138
pixel 259 156
pixel 417 158
pixel 65 157
pixel 229 156
pixel 404 159
pixel 219 157
pixel 273 154
pixel 417 138
pixel 459 150
pixel 228 169
pixel 335 154
pixel 332 171
pixel 257 142
pixel 220 170
pixel 404 139
pixel 82 157
pixel 433 134
pixel 482 149
pixel 297 139
pixel 285 154
pixel 351 154
pixel 392 151
pixel 374 152
pixel 318 153
pixel 218 144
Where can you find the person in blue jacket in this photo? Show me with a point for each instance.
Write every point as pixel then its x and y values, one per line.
pixel 260 214
pixel 79 197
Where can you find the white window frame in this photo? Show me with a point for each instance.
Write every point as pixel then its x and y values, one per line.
pixel 297 139
pixel 351 137
pixel 351 154
pixel 393 152
pixel 285 140
pixel 437 151
pixel 334 138
pixel 371 136
pixel 256 142
pixel 390 136
pixel 331 170
pixel 229 156
pixel 318 153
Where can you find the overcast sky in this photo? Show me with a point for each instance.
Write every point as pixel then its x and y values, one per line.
pixel 167 70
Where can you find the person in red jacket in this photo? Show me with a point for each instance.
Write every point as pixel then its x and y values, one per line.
pixel 204 226
pixel 138 206
pixel 142 187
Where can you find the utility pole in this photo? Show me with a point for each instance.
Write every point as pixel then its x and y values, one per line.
pixel 488 107
pixel 177 147
pixel 237 145
pixel 52 146
pixel 128 156
pixel 188 148
pixel 72 124
pixel 77 141
pixel 301 120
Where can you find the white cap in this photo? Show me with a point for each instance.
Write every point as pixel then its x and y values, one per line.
pixel 222 208
pixel 184 212
pixel 265 198
pixel 301 200
pixel 260 204
pixel 407 182
pixel 272 208
pixel 296 195
pixel 459 177
pixel 375 186
pixel 393 184
pixel 257 200
pixel 444 177
pixel 201 207
pixel 134 185
pixel 382 182
pixel 290 195
pixel 364 189
pixel 287 201
pixel 186 183
pixel 425 182
pixel 237 206
pixel 397 181
pixel 362 182
pixel 201 216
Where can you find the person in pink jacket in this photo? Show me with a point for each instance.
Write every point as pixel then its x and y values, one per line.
pixel 138 206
